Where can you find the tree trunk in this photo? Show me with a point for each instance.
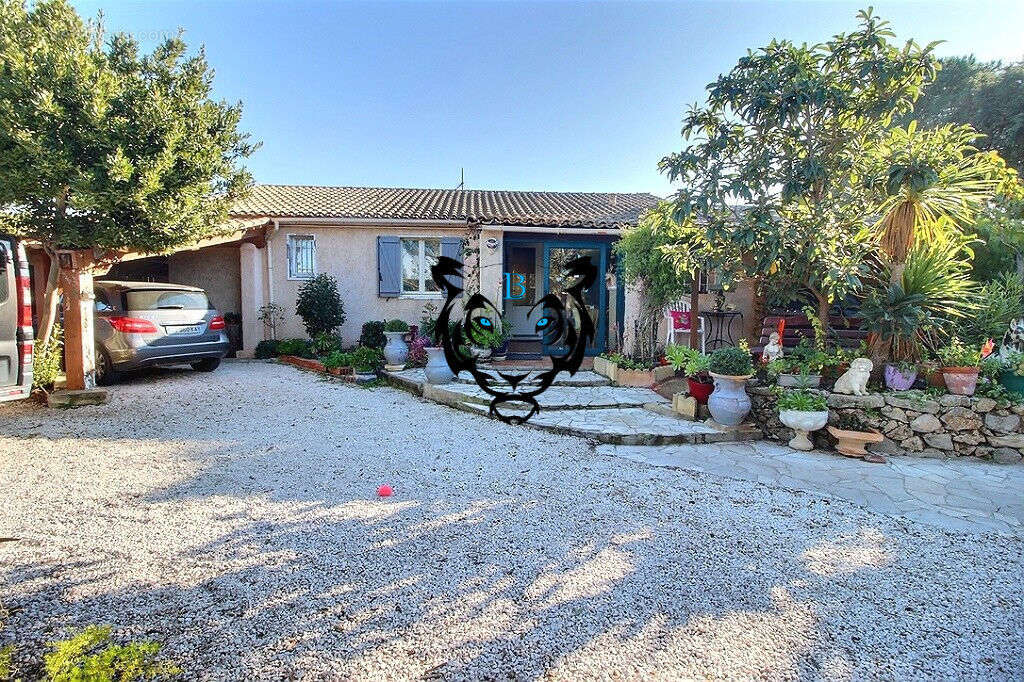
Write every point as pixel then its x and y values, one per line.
pixel 48 306
pixel 898 238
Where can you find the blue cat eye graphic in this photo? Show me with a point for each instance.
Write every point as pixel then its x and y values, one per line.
pixel 565 324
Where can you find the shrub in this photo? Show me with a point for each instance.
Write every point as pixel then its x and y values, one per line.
pixel 337 359
pixel 372 335
pixel 693 363
pixel 418 352
pixel 325 344
pixel 396 326
pixel 957 354
pixel 267 349
pixel 731 361
pixel 365 359
pixel 90 655
pixel 1001 300
pixel 46 359
pixel 428 321
pixel 802 400
pixel 319 305
pixel 298 347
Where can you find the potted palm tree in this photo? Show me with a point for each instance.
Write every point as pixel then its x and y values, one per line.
pixel 730 368
pixel 803 411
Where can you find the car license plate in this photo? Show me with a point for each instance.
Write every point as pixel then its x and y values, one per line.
pixel 191 330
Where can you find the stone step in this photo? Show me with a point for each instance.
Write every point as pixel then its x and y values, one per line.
pixel 628 426
pixel 556 397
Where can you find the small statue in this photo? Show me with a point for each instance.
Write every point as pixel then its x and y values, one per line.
pixel 855 380
pixel 773 351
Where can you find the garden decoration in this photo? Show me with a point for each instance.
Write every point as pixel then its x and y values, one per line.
pixel 803 411
pixel 773 350
pixel 854 381
pixel 396 350
pixel 961 365
pixel 729 403
pixel 567 326
pixel 1013 339
pixel 437 370
pixel 385 491
pixel 852 435
pixel 900 376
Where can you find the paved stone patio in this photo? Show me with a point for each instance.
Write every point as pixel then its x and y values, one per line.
pixel 960 495
pixel 588 406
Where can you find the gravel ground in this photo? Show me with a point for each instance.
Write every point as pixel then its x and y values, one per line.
pixel 232 516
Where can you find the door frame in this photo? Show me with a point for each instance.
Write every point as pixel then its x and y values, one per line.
pixel 604 248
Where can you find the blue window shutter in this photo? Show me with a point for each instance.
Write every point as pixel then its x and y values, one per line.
pixel 389 266
pixel 451 247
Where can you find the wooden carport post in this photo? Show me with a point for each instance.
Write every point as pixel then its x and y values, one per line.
pixel 694 309
pixel 79 348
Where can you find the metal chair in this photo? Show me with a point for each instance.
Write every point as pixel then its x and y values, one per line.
pixel 679 319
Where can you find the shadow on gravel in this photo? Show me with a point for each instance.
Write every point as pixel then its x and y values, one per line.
pixel 577 572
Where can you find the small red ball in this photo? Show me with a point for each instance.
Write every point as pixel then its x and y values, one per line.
pixel 384 491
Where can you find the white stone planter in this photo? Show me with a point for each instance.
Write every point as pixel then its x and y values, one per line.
pixel 396 351
pixel 802 424
pixel 437 370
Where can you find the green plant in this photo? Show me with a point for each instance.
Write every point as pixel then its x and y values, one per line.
pixel 1000 301
pixel 802 400
pixel 637 364
pixel 820 334
pixel 958 354
pixel 90 655
pixel 848 421
pixel 271 315
pixel 1013 363
pixel 731 361
pixel 396 326
pixel 300 348
pixel 678 356
pixel 319 305
pixel 365 359
pixel 337 359
pixel 428 322
pixel 267 349
pixel 324 344
pixel 372 335
pixel 46 359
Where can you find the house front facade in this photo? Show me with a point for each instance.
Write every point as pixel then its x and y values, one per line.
pixel 379 243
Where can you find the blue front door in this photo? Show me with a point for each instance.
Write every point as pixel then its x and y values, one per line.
pixel 556 255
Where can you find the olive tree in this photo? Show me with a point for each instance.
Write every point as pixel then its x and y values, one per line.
pixel 772 167
pixel 104 147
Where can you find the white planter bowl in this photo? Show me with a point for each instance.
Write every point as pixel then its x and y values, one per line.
pixel 802 424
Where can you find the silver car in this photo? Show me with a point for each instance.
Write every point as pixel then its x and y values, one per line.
pixel 145 324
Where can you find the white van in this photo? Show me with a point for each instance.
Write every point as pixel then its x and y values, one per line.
pixel 15 321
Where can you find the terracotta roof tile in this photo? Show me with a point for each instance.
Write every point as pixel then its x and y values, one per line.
pixel 489 207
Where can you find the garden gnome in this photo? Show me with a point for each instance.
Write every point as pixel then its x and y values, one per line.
pixel 772 351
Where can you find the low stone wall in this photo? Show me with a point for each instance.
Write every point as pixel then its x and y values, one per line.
pixel 948 426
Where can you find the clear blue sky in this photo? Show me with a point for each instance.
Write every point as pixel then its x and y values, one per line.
pixel 544 95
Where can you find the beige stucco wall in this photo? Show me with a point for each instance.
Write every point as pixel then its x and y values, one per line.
pixel 350 255
pixel 214 269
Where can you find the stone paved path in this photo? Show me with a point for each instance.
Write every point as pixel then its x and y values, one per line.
pixel 960 495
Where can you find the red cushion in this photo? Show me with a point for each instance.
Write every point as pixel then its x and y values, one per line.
pixel 680 319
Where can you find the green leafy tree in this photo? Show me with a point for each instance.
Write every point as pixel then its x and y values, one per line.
pixel 101 146
pixel 783 134
pixel 931 181
pixel 319 305
pixel 988 96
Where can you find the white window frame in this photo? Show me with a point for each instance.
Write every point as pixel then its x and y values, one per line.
pixel 290 249
pixel 423 269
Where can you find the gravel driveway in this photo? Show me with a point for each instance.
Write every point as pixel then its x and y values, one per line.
pixel 232 516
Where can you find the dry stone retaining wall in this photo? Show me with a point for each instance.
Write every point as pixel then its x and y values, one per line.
pixel 948 426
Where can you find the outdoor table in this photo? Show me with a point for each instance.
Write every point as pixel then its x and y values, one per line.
pixel 720 326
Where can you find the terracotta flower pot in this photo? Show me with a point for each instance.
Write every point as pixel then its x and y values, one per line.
pixel 960 380
pixel 851 443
